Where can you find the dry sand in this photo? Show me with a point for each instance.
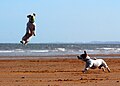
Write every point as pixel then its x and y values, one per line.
pixel 57 72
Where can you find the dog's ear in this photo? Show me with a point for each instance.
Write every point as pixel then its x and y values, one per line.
pixel 85 52
pixel 34 14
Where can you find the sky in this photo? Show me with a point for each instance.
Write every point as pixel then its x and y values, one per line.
pixel 61 21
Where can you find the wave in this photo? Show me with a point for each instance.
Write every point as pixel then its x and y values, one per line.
pixel 57 51
pixel 106 48
pixel 39 51
pixel 109 49
pixel 6 51
pixel 60 49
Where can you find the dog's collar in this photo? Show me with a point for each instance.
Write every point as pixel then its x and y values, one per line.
pixel 31 21
pixel 86 60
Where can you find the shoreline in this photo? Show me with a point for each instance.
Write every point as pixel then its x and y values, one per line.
pixel 58 56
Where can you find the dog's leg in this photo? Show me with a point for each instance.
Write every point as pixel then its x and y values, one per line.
pixel 103 69
pixel 108 69
pixel 85 70
pixel 106 66
pixel 25 42
pixel 87 67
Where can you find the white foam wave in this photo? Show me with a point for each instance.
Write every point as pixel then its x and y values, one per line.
pixel 60 49
pixel 110 49
pixel 19 50
pixel 6 51
pixel 11 51
pixel 39 51
pixel 105 48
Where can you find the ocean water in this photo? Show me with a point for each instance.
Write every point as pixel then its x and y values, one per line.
pixel 54 49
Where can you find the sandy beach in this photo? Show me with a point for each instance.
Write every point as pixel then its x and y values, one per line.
pixel 56 72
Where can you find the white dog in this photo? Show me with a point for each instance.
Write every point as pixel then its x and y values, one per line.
pixel 93 63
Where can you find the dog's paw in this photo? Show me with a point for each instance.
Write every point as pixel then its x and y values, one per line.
pixel 83 71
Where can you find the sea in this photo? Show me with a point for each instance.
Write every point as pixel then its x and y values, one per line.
pixel 56 49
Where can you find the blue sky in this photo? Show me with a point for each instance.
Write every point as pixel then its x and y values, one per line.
pixel 61 20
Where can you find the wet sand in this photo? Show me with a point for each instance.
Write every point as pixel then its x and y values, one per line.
pixel 57 72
